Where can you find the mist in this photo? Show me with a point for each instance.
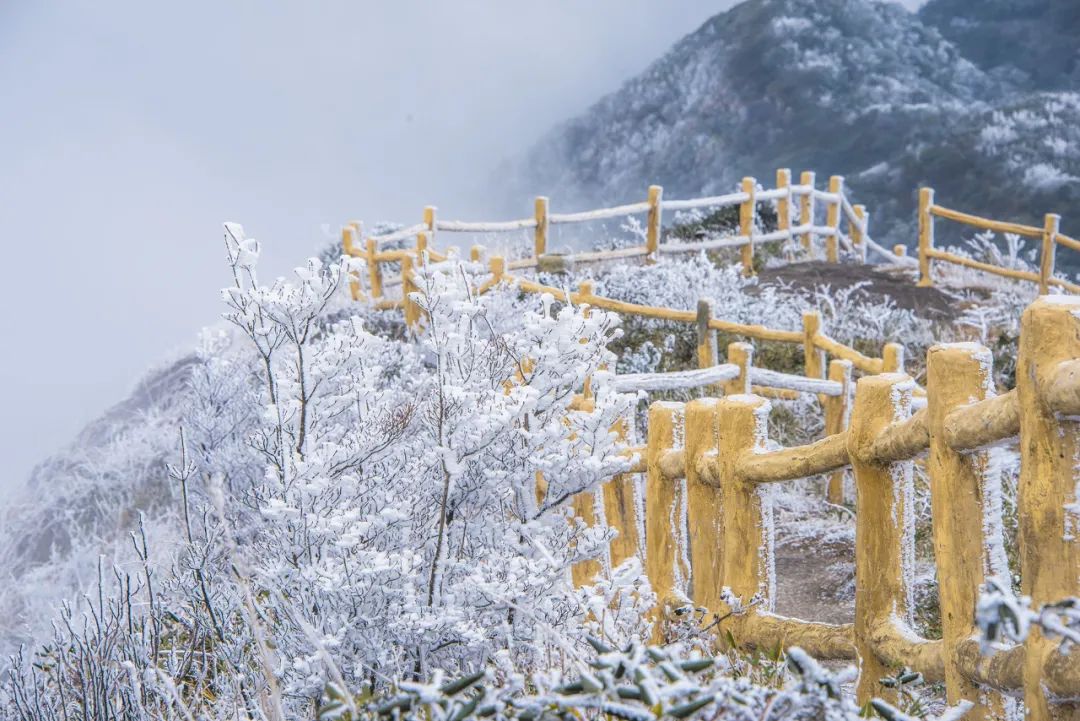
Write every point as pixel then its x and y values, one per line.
pixel 132 130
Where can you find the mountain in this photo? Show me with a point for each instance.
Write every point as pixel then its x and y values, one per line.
pixel 1031 42
pixel 857 88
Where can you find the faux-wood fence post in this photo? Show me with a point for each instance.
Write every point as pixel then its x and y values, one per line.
pixel 926 236
pixel 540 213
pixel 813 357
pixel 961 486
pixel 832 219
pixel 705 508
pixel 707 352
pixel 408 286
pixel 584 573
pixel 747 211
pixel 883 508
pixel 837 410
pixel 497 267
pixel 421 247
pixel 806 209
pixel 653 223
pixel 663 552
pixel 742 355
pixel 860 230
pixel 1051 224
pixel 747 546
pixel 429 221
pixel 349 234
pixel 1049 447
pixel 374 271
pixel 620 511
pixel 783 205
pixel 892 358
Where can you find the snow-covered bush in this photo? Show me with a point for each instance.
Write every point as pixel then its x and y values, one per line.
pixel 350 502
pixel 636 683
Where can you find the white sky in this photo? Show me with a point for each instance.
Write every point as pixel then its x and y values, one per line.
pixel 130 130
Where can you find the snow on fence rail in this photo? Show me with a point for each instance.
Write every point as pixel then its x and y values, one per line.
pixel 708 461
pixel 1049 235
pixel 797 206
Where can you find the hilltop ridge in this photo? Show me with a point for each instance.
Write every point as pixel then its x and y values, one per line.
pixel 858 88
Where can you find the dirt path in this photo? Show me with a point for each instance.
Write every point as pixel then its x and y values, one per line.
pixel 815 572
pixel 881 282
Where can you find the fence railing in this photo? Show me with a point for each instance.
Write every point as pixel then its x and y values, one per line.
pixel 1049 236
pixel 798 207
pixel 708 528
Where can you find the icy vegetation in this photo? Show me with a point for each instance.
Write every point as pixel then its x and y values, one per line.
pixel 313 500
pixel 977 99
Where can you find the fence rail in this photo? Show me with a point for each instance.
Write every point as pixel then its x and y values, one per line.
pixel 709 459
pixel 797 206
pixel 1049 235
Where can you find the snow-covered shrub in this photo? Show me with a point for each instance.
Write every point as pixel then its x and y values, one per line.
pixel 1004 618
pixel 636 683
pixel 347 501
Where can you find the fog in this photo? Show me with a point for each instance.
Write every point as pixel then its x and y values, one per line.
pixel 131 130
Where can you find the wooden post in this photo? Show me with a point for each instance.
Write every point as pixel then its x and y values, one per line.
pixel 705 509
pixel 1051 224
pixel 707 352
pixel 747 547
pixel 832 219
pixel 742 355
pixel 783 205
pixel 926 236
pixel 652 231
pixel 429 221
pixel 806 209
pixel 348 247
pixel 476 253
pixel 410 309
pixel 584 573
pixel 859 230
pixel 1049 447
pixel 747 211
pixel 883 508
pixel 814 359
pixel 892 358
pixel 374 271
pixel 663 551
pixel 540 211
pixel 421 247
pixel 620 511
pixel 962 486
pixel 837 412
pixel 497 266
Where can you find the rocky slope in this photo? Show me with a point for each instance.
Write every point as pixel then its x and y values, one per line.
pixel 852 87
pixel 1033 43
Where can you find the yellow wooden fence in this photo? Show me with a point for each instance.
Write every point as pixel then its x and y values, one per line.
pixel 844 226
pixel 1049 236
pixel 723 467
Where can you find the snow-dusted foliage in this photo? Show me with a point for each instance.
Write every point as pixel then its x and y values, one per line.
pixel 1004 618
pixel 346 498
pixel 634 684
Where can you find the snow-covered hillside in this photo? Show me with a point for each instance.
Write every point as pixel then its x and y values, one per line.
pixel 367 502
pixel 852 87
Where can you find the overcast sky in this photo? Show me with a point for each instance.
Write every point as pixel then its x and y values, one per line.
pixel 130 130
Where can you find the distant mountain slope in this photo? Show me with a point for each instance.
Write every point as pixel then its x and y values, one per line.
pixel 1034 42
pixel 852 87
